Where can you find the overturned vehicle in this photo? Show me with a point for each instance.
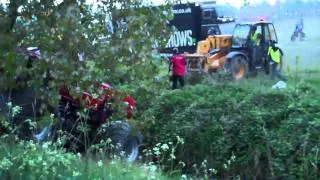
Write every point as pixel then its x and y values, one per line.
pixel 82 121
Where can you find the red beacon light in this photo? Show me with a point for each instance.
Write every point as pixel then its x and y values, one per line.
pixel 263 18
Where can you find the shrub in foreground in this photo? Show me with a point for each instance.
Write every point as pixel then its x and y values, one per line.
pixel 30 160
pixel 240 131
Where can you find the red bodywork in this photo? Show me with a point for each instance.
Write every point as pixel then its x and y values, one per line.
pixel 97 103
pixel 131 103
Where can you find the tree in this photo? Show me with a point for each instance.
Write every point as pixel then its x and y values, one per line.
pixel 64 30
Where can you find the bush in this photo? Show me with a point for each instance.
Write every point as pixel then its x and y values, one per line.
pixel 240 131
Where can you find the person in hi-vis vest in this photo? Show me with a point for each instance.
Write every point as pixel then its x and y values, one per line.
pixel 255 39
pixel 275 59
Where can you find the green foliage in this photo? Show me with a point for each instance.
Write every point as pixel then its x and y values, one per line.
pixel 271 133
pixel 30 160
pixel 61 31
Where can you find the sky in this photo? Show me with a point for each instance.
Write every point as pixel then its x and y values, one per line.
pixel 235 3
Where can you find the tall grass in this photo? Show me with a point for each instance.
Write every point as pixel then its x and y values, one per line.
pixel 30 160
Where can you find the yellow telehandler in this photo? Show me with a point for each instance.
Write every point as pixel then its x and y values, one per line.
pixel 234 53
pixel 210 54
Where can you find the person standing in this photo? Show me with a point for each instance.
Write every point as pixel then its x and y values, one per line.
pixel 178 67
pixel 255 39
pixel 275 57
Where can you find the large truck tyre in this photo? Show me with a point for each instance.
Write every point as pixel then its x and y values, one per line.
pixel 131 148
pixel 239 67
pixel 124 141
pixel 25 99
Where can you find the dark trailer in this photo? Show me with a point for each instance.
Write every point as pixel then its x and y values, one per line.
pixel 193 22
pixel 187 21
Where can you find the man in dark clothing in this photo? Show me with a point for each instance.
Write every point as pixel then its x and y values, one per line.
pixel 178 67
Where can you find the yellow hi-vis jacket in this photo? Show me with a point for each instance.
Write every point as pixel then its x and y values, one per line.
pixel 275 55
pixel 254 38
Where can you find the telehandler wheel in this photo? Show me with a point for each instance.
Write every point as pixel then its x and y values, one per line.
pixel 239 68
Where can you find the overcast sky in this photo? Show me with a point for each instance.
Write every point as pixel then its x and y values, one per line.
pixel 235 3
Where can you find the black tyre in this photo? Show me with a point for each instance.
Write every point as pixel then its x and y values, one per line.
pixel 193 78
pixel 125 143
pixel 239 67
pixel 25 99
pixel 131 149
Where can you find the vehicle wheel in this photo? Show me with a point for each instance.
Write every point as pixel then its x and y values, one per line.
pixel 193 78
pixel 43 134
pixel 124 142
pixel 131 149
pixel 239 68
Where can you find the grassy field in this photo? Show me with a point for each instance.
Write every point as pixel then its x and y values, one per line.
pixel 308 51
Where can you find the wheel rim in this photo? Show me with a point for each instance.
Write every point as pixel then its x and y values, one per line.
pixel 131 150
pixel 43 134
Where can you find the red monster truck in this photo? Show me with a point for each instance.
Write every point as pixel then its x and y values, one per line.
pixel 90 112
